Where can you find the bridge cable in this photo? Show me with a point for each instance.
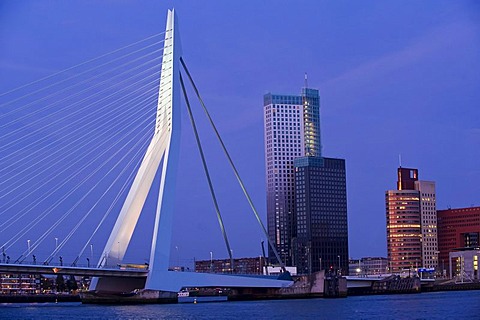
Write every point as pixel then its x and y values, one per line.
pixel 64 216
pixel 128 182
pixel 77 102
pixel 233 166
pixel 34 186
pixel 38 173
pixel 162 138
pixel 76 94
pixel 205 168
pixel 79 159
pixel 84 107
pixel 63 198
pixel 71 77
pixel 84 125
pixel 71 164
pixel 64 242
pixel 85 216
pixel 53 133
pixel 58 131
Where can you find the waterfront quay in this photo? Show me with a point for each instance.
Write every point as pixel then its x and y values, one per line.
pixel 29 289
pixel 432 305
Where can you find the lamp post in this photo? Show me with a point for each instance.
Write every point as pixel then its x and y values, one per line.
pixel 177 263
pixel 211 261
pixel 338 263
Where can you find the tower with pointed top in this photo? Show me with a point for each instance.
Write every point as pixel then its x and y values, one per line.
pixel 292 130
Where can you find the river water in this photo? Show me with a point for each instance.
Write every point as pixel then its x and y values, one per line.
pixel 436 305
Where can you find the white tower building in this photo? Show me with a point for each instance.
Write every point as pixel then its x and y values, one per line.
pixel 292 130
pixel 428 209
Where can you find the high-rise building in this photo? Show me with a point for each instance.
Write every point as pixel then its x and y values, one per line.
pixel 404 246
pixel 306 193
pixel 411 223
pixel 321 226
pixel 457 229
pixel 292 130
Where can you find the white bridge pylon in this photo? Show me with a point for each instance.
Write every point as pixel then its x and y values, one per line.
pixel 165 145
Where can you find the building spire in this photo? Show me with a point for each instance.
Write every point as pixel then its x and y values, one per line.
pixel 306 80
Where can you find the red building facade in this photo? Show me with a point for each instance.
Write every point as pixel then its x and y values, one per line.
pixel 457 228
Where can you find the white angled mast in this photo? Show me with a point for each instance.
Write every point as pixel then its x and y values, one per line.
pixel 168 120
pixel 164 144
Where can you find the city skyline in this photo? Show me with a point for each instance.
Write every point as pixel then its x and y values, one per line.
pixel 406 89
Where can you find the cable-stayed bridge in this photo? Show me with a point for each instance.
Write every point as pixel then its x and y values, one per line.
pixel 89 145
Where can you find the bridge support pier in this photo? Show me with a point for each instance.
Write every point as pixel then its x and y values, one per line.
pixel 143 296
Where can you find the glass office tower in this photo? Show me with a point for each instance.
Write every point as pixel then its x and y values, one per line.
pixel 292 130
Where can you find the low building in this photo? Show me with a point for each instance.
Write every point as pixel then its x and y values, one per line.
pixel 368 266
pixel 13 284
pixel 463 264
pixel 275 270
pixel 240 266
pixel 457 228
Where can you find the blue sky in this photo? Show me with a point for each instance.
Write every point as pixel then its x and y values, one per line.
pixel 395 77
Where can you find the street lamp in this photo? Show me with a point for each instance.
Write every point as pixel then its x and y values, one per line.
pixel 211 261
pixel 177 263
pixel 338 263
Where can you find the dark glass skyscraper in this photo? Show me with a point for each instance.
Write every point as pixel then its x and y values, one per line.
pixel 321 226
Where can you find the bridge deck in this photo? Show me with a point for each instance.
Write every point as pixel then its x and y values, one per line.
pixel 68 270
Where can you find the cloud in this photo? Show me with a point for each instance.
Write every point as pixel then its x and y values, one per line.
pixel 441 39
pixel 474 134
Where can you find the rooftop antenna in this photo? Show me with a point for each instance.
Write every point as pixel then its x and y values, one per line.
pixel 400 160
pixel 306 80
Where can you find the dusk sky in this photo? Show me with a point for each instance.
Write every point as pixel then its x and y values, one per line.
pixel 395 78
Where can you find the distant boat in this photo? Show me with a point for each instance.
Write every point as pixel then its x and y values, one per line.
pixel 185 297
